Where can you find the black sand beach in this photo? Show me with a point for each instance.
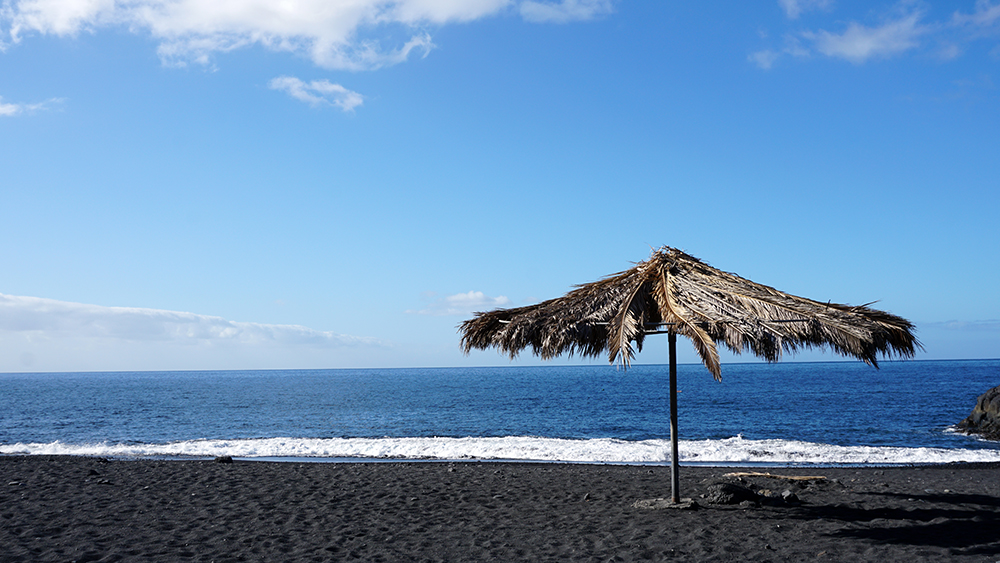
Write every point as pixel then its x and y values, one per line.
pixel 87 509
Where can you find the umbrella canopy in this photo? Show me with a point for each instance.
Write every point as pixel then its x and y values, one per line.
pixel 677 293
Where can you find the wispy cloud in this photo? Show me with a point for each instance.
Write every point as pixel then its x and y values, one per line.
pixel 795 8
pixel 764 59
pixel 11 109
pixel 318 92
pixel 859 43
pixel 901 29
pixel 49 319
pixel 356 35
pixel 565 11
pixel 462 304
pixel 973 326
pixel 986 15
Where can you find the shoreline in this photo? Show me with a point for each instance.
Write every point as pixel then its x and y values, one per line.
pixel 734 451
pixel 372 460
pixel 63 508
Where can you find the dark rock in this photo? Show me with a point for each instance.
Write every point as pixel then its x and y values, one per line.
pixel 729 493
pixel 789 497
pixel 223 459
pixel 985 418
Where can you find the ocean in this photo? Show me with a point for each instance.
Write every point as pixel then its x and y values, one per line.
pixel 834 413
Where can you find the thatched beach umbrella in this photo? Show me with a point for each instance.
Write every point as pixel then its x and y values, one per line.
pixel 675 293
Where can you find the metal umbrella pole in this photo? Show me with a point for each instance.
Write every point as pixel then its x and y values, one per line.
pixel 675 487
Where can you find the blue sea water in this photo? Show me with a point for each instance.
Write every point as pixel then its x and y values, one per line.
pixel 784 413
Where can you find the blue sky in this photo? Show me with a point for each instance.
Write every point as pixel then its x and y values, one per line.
pixel 316 184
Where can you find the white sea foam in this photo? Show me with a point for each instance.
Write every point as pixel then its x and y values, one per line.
pixel 728 451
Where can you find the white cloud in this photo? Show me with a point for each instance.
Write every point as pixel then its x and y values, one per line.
pixel 441 11
pixel 859 43
pixel 564 11
pixel 192 30
pixel 39 319
pixel 794 8
pixel 463 304
pixel 318 92
pixel 10 110
pixel 335 35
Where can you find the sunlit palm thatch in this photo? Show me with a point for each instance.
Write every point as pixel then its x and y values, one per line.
pixel 673 291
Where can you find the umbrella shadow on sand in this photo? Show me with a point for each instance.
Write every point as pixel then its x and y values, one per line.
pixel 966 524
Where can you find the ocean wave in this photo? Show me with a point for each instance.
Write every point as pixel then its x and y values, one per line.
pixel 729 451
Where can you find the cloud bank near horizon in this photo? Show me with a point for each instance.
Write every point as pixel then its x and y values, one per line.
pixel 992 325
pixel 48 318
pixel 39 331
pixel 334 35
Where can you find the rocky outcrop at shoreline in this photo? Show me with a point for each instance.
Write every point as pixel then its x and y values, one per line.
pixel 985 418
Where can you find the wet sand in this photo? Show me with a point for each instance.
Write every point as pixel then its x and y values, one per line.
pixel 88 509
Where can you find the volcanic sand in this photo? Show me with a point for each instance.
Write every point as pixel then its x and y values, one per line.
pixel 92 509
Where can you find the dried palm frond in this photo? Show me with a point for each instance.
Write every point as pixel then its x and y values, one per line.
pixel 673 291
